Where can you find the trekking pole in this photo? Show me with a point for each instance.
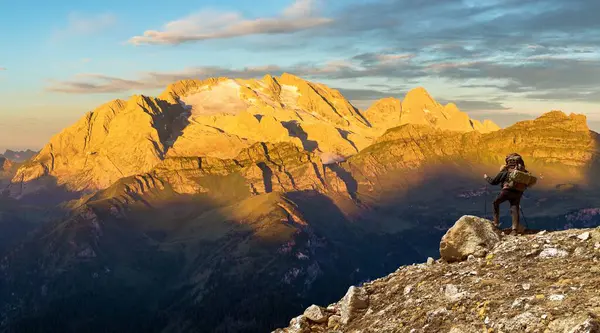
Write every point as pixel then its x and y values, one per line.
pixel 524 219
pixel 485 203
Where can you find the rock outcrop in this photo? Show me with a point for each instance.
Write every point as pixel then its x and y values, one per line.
pixel 514 288
pixel 470 235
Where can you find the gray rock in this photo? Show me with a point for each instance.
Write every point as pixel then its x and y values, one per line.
pixel 354 300
pixel 452 294
pixel 521 322
pixel 299 325
pixel 589 326
pixel 316 314
pixel 556 297
pixel 470 235
pixel 582 323
pixel 552 252
pixel 584 236
pixel 430 261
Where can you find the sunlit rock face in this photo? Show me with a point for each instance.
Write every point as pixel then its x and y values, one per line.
pixel 219 117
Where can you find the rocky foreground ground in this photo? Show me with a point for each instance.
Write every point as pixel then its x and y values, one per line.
pixel 486 281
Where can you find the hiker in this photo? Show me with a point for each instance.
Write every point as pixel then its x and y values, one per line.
pixel 512 188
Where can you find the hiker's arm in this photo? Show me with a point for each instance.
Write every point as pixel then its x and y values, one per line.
pixel 500 177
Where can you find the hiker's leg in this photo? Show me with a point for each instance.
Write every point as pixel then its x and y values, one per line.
pixel 514 213
pixel 515 202
pixel 499 199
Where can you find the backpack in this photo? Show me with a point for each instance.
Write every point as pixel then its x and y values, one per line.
pixel 514 159
pixel 519 180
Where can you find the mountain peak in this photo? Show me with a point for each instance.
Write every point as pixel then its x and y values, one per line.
pixel 557 119
pixel 418 95
pixel 181 88
pixel 384 112
pixel 418 107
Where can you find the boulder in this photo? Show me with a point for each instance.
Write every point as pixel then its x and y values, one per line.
pixel 470 235
pixel 316 314
pixel 354 300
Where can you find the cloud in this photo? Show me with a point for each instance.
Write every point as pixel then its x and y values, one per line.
pixel 474 105
pixel 80 24
pixel 3 68
pixel 497 49
pixel 365 94
pixel 91 83
pixel 207 25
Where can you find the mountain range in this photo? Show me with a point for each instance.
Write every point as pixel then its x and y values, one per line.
pixel 18 156
pixel 230 205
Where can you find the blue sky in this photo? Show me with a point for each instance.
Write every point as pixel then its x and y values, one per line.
pixel 506 60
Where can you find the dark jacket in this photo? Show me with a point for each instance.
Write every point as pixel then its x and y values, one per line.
pixel 502 176
pixel 499 179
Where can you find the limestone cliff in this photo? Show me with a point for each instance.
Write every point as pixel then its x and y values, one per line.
pixel 219 117
pixel 556 147
pixel 116 140
pixel 544 282
pixel 260 169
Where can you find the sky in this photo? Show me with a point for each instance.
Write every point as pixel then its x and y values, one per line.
pixel 505 60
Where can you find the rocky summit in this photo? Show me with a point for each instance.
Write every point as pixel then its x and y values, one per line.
pixel 539 282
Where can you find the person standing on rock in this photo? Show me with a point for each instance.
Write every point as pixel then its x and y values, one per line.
pixel 511 191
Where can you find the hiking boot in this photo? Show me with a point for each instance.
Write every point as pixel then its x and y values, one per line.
pixel 496 222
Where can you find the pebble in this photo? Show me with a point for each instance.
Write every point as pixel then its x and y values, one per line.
pixel 430 261
pixel 556 298
pixel 526 286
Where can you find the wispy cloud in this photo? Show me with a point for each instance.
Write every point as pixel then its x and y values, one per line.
pixel 552 53
pixel 206 25
pixel 534 79
pixel 80 24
